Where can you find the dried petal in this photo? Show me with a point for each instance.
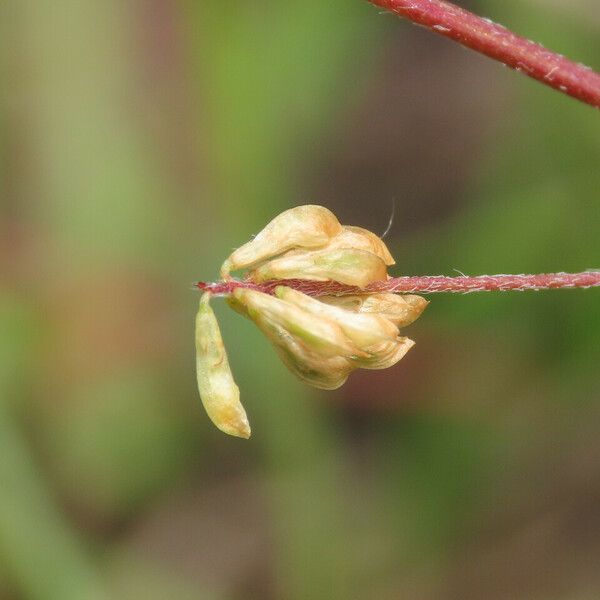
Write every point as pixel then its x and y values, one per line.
pixel 321 336
pixel 350 303
pixel 310 367
pixel 346 265
pixel 307 226
pixel 362 329
pixel 362 239
pixel 385 354
pixel 218 391
pixel 402 310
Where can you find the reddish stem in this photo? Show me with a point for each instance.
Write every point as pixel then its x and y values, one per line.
pixel 497 42
pixel 421 285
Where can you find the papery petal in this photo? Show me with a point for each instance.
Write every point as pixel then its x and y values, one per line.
pixel 402 310
pixel 345 265
pixel 310 367
pixel 320 336
pixel 385 354
pixel 348 303
pixel 362 329
pixel 308 226
pixel 362 239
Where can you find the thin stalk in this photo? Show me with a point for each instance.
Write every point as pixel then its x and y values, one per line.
pixel 422 285
pixel 497 42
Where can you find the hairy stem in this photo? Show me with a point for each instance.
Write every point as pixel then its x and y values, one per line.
pixel 497 42
pixel 421 285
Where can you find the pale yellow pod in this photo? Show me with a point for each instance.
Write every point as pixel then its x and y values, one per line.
pixel 362 239
pixel 362 329
pixel 345 265
pixel 311 368
pixel 308 226
pixel 385 354
pixel 218 391
pixel 321 336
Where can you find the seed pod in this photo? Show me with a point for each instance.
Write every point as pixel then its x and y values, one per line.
pixel 402 310
pixel 218 391
pixel 321 336
pixel 362 329
pixel 385 354
pixel 307 226
pixel 310 367
pixel 345 265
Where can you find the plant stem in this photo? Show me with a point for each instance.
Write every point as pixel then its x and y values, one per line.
pixel 421 285
pixel 497 42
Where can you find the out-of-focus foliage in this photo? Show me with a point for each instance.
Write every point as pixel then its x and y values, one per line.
pixel 139 143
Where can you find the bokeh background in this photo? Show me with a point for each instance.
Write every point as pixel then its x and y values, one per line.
pixel 140 142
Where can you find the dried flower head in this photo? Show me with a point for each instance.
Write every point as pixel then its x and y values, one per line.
pixel 320 340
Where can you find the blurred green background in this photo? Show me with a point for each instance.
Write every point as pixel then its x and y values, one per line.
pixel 140 142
